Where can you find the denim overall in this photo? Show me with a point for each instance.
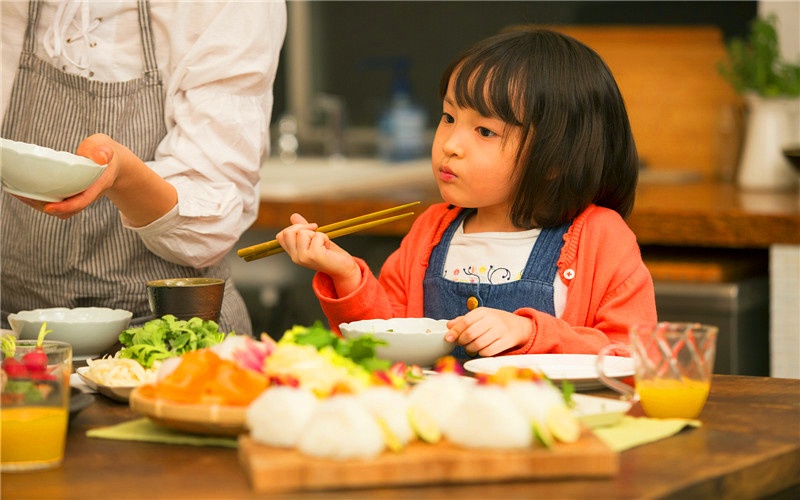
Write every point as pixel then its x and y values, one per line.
pixel 445 299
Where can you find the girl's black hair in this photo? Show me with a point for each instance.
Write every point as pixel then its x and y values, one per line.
pixel 576 145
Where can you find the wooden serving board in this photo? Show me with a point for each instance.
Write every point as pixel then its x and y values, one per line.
pixel 274 470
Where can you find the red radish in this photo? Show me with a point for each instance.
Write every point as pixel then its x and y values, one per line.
pixel 11 366
pixel 36 360
pixel 398 369
pixel 14 368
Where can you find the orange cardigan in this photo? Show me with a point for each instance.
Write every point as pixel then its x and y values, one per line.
pixel 608 286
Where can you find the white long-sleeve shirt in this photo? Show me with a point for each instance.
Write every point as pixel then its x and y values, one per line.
pixel 218 62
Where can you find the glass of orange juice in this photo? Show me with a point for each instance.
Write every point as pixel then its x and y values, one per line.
pixel 673 365
pixel 35 404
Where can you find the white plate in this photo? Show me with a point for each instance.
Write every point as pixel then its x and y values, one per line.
pixel 119 394
pixel 595 411
pixel 579 369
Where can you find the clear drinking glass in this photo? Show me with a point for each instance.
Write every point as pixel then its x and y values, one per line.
pixel 673 366
pixel 35 405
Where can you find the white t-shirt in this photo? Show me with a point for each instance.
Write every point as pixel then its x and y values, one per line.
pixel 218 62
pixel 495 258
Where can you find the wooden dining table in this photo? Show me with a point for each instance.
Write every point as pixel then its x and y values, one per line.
pixel 747 446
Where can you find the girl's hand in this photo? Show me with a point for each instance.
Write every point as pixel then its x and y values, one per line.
pixel 488 332
pixel 316 251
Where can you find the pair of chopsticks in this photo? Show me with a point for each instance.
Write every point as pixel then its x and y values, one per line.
pixel 334 230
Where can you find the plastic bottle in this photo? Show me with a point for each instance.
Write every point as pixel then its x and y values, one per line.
pixel 401 127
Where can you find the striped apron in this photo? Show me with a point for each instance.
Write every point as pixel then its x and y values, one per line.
pixel 89 259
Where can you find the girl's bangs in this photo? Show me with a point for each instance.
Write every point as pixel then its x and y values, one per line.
pixel 490 86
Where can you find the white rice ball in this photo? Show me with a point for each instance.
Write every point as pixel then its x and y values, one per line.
pixel 534 399
pixel 488 418
pixel 439 396
pixel 279 415
pixel 342 428
pixel 391 406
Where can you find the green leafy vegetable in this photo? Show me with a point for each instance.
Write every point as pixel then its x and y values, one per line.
pixel 27 389
pixel 567 390
pixel 168 337
pixel 361 350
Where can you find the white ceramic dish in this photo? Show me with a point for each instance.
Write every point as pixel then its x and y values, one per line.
pixel 44 174
pixel 120 394
pixel 90 330
pixel 414 341
pixel 593 411
pixel 579 369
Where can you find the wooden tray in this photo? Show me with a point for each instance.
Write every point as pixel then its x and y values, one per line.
pixel 273 470
pixel 213 420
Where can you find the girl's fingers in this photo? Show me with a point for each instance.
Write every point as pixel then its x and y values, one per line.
pixel 297 219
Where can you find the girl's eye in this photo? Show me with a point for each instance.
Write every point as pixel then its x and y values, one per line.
pixel 485 132
pixel 448 118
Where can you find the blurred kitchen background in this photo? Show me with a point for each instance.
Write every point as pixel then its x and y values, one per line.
pixel 341 62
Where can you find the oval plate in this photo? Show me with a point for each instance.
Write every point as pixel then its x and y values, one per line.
pixel 119 394
pixel 579 369
pixel 213 420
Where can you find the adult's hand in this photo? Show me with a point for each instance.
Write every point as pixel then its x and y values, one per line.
pixel 100 149
pixel 127 181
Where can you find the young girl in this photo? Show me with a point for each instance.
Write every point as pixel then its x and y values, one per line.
pixel 536 162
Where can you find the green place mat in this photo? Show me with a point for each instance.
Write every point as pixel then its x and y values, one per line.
pixel 631 432
pixel 628 433
pixel 144 430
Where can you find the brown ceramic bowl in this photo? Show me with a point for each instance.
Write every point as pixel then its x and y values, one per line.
pixel 186 298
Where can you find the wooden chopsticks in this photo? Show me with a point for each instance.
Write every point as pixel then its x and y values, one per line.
pixel 334 230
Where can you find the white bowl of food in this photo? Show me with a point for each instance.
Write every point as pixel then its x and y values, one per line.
pixel 90 330
pixel 414 341
pixel 44 174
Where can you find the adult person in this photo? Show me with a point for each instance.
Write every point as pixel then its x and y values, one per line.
pixel 176 98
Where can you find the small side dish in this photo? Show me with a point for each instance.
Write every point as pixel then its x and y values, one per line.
pixel 414 341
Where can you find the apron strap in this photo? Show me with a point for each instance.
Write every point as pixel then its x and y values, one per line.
pixel 30 31
pixel 151 73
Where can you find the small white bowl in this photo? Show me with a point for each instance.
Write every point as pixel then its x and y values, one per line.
pixel 90 330
pixel 414 341
pixel 44 174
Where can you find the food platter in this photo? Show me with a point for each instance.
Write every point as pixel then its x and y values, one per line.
pixel 214 420
pixel 272 470
pixel 579 369
pixel 121 394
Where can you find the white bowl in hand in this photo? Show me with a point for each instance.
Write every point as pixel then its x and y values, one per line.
pixel 90 330
pixel 414 341
pixel 44 174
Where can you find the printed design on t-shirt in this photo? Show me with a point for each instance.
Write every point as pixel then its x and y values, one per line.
pixel 482 274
